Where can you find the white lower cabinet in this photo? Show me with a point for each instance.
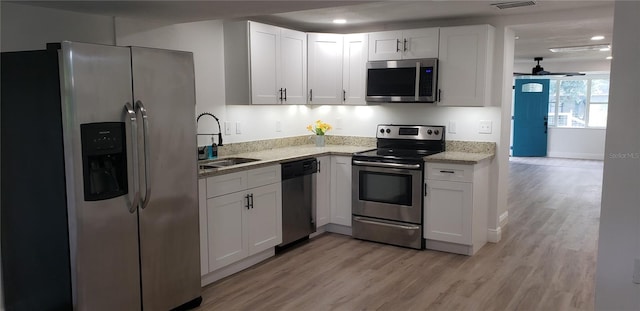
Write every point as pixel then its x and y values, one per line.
pixel 243 221
pixel 456 207
pixel 341 190
pixel 323 191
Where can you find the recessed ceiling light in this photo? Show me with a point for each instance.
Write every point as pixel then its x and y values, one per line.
pixel 339 21
pixel 609 57
pixel 516 37
pixel 596 38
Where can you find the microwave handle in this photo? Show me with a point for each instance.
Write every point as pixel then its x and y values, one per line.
pixel 439 95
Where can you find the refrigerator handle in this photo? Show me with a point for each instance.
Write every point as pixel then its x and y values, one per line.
pixel 128 109
pixel 145 135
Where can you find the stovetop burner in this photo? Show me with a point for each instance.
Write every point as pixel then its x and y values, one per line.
pixel 405 143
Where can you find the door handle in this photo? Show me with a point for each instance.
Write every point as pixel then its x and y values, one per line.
pixel 344 95
pixel 280 94
pixel 397 45
pixel 128 109
pixel 251 198
pixel 311 95
pixel 247 205
pixel 285 94
pixel 404 45
pixel 147 167
pixel 425 189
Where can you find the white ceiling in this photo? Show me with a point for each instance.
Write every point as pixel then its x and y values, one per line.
pixel 308 15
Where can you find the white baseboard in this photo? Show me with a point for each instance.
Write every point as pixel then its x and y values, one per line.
pixel 236 267
pixel 575 155
pixel 335 228
pixel 494 235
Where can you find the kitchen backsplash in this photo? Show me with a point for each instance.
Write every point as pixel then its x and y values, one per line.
pixel 259 145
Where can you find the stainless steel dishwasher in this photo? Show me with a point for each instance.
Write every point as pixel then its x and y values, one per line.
pixel 298 206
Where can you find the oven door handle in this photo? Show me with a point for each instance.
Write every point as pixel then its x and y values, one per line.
pixel 388 165
pixel 386 224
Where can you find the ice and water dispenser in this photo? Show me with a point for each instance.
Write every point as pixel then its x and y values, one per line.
pixel 104 160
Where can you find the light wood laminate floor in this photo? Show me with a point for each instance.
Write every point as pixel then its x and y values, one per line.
pixel 545 261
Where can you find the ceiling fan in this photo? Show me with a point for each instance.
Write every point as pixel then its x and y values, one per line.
pixel 539 71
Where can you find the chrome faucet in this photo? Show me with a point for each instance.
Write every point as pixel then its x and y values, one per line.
pixel 219 129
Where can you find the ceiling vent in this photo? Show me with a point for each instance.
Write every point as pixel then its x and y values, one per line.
pixel 512 4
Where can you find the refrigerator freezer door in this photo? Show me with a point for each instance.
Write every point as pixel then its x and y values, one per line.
pixel 163 83
pixel 95 86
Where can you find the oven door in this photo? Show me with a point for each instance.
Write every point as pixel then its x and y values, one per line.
pixel 390 191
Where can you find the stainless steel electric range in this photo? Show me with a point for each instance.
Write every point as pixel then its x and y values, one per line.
pixel 388 186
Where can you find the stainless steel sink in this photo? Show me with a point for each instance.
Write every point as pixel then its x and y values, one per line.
pixel 226 162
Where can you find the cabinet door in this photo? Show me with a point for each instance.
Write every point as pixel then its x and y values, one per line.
pixel 265 218
pixel 265 64
pixel 227 229
pixel 341 190
pixel 420 43
pixel 323 191
pixel 293 59
pixel 448 211
pixel 325 68
pixel 465 65
pixel 354 68
pixel 202 209
pixel 386 45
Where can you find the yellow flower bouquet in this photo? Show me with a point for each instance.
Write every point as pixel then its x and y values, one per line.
pixel 319 128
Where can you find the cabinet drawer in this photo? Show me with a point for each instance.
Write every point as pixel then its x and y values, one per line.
pixel 450 172
pixel 224 184
pixel 264 176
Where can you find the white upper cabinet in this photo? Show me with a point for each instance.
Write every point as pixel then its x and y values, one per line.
pixel 406 44
pixel 293 62
pixel 465 65
pixel 325 68
pixel 354 68
pixel 264 64
pixel 337 68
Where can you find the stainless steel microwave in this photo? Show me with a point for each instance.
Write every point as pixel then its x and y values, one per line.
pixel 405 81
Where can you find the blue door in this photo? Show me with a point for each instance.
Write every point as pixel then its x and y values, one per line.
pixel 530 118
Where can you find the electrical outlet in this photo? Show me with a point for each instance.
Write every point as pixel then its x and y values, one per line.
pixel 339 124
pixel 227 128
pixel 485 127
pixel 238 128
pixel 452 127
pixel 278 126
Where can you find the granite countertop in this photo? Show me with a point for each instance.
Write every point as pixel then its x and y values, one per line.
pixel 459 157
pixel 279 155
pixel 274 156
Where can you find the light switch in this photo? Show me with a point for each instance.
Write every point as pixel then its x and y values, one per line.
pixel 485 127
pixel 339 124
pixel 278 126
pixel 238 128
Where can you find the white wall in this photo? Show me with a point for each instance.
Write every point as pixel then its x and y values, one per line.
pixel 619 241
pixel 26 27
pixel 576 143
pixel 204 39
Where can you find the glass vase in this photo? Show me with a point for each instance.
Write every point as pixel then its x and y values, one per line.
pixel 319 140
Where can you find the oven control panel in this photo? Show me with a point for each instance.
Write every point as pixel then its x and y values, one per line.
pixel 412 132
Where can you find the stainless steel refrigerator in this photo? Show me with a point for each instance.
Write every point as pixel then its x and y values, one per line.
pixel 99 179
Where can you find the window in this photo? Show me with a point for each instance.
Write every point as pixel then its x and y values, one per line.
pixel 578 102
